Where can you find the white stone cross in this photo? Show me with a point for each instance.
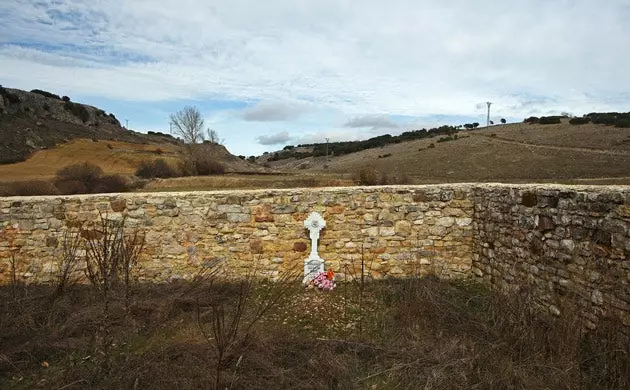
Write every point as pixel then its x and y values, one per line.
pixel 314 264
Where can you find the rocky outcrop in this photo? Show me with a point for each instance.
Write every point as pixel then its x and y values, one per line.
pixel 36 105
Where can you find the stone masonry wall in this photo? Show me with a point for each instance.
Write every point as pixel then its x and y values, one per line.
pixel 557 242
pixel 397 231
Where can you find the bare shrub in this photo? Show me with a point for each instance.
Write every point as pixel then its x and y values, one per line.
pixel 111 183
pixel 395 179
pixel 28 188
pixel 232 315
pixel 10 234
pixel 71 187
pixel 111 256
pixel 365 176
pixel 69 260
pixel 111 253
pixel 208 166
pixel 156 168
pixel 78 178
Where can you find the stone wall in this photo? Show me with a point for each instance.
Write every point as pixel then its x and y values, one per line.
pixel 557 242
pixel 395 231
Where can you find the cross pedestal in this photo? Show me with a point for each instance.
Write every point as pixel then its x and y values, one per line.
pixel 314 264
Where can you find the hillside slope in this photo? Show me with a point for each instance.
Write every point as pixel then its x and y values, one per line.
pixel 41 132
pixel 508 153
pixel 30 121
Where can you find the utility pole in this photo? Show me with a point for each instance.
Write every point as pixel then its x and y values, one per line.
pixel 127 124
pixel 327 139
pixel 488 118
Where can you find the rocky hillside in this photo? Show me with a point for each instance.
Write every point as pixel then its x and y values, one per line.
pixel 42 104
pixel 31 121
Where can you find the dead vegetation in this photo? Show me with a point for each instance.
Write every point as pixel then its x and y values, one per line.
pixel 415 333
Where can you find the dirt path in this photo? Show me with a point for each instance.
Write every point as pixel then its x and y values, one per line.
pixel 554 147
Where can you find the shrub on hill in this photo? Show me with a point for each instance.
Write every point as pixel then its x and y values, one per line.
pixel 28 188
pixel 617 119
pixel 156 168
pixel 87 178
pixel 365 176
pixel 579 121
pixel 78 110
pixel 448 138
pixel 549 120
pixel 531 120
pixel 111 183
pixel 341 148
pixel 209 166
pixel 83 172
pixel 289 153
pixel 623 123
pixel 11 97
pixel 46 94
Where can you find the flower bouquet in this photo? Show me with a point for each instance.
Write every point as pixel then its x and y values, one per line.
pixel 324 280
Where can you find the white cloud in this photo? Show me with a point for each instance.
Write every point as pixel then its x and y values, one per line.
pixel 373 121
pixel 406 57
pixel 274 139
pixel 273 112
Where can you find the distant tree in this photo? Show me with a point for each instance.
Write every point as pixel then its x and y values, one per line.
pixel 492 122
pixel 188 124
pixel 475 125
pixel 503 121
pixel 213 136
pixel 65 99
pixel 468 126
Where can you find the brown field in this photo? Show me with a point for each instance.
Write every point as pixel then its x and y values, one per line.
pixel 236 181
pixel 122 158
pixel 411 334
pixel 587 136
pixel 517 153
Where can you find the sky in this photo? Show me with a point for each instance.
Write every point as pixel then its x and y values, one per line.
pixel 265 74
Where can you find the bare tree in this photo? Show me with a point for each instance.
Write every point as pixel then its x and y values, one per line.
pixel 188 124
pixel 213 136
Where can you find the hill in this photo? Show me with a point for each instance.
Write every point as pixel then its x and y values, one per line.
pixel 31 121
pixel 41 132
pixel 520 152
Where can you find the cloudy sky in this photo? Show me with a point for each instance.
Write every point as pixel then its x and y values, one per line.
pixel 269 73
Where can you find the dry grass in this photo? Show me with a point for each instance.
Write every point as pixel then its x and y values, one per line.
pixel 118 157
pixel 518 153
pixel 565 135
pixel 481 158
pixel 239 181
pixel 418 333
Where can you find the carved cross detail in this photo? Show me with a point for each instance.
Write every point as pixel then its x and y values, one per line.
pixel 314 264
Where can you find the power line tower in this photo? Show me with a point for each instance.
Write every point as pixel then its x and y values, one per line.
pixel 488 118
pixel 327 139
